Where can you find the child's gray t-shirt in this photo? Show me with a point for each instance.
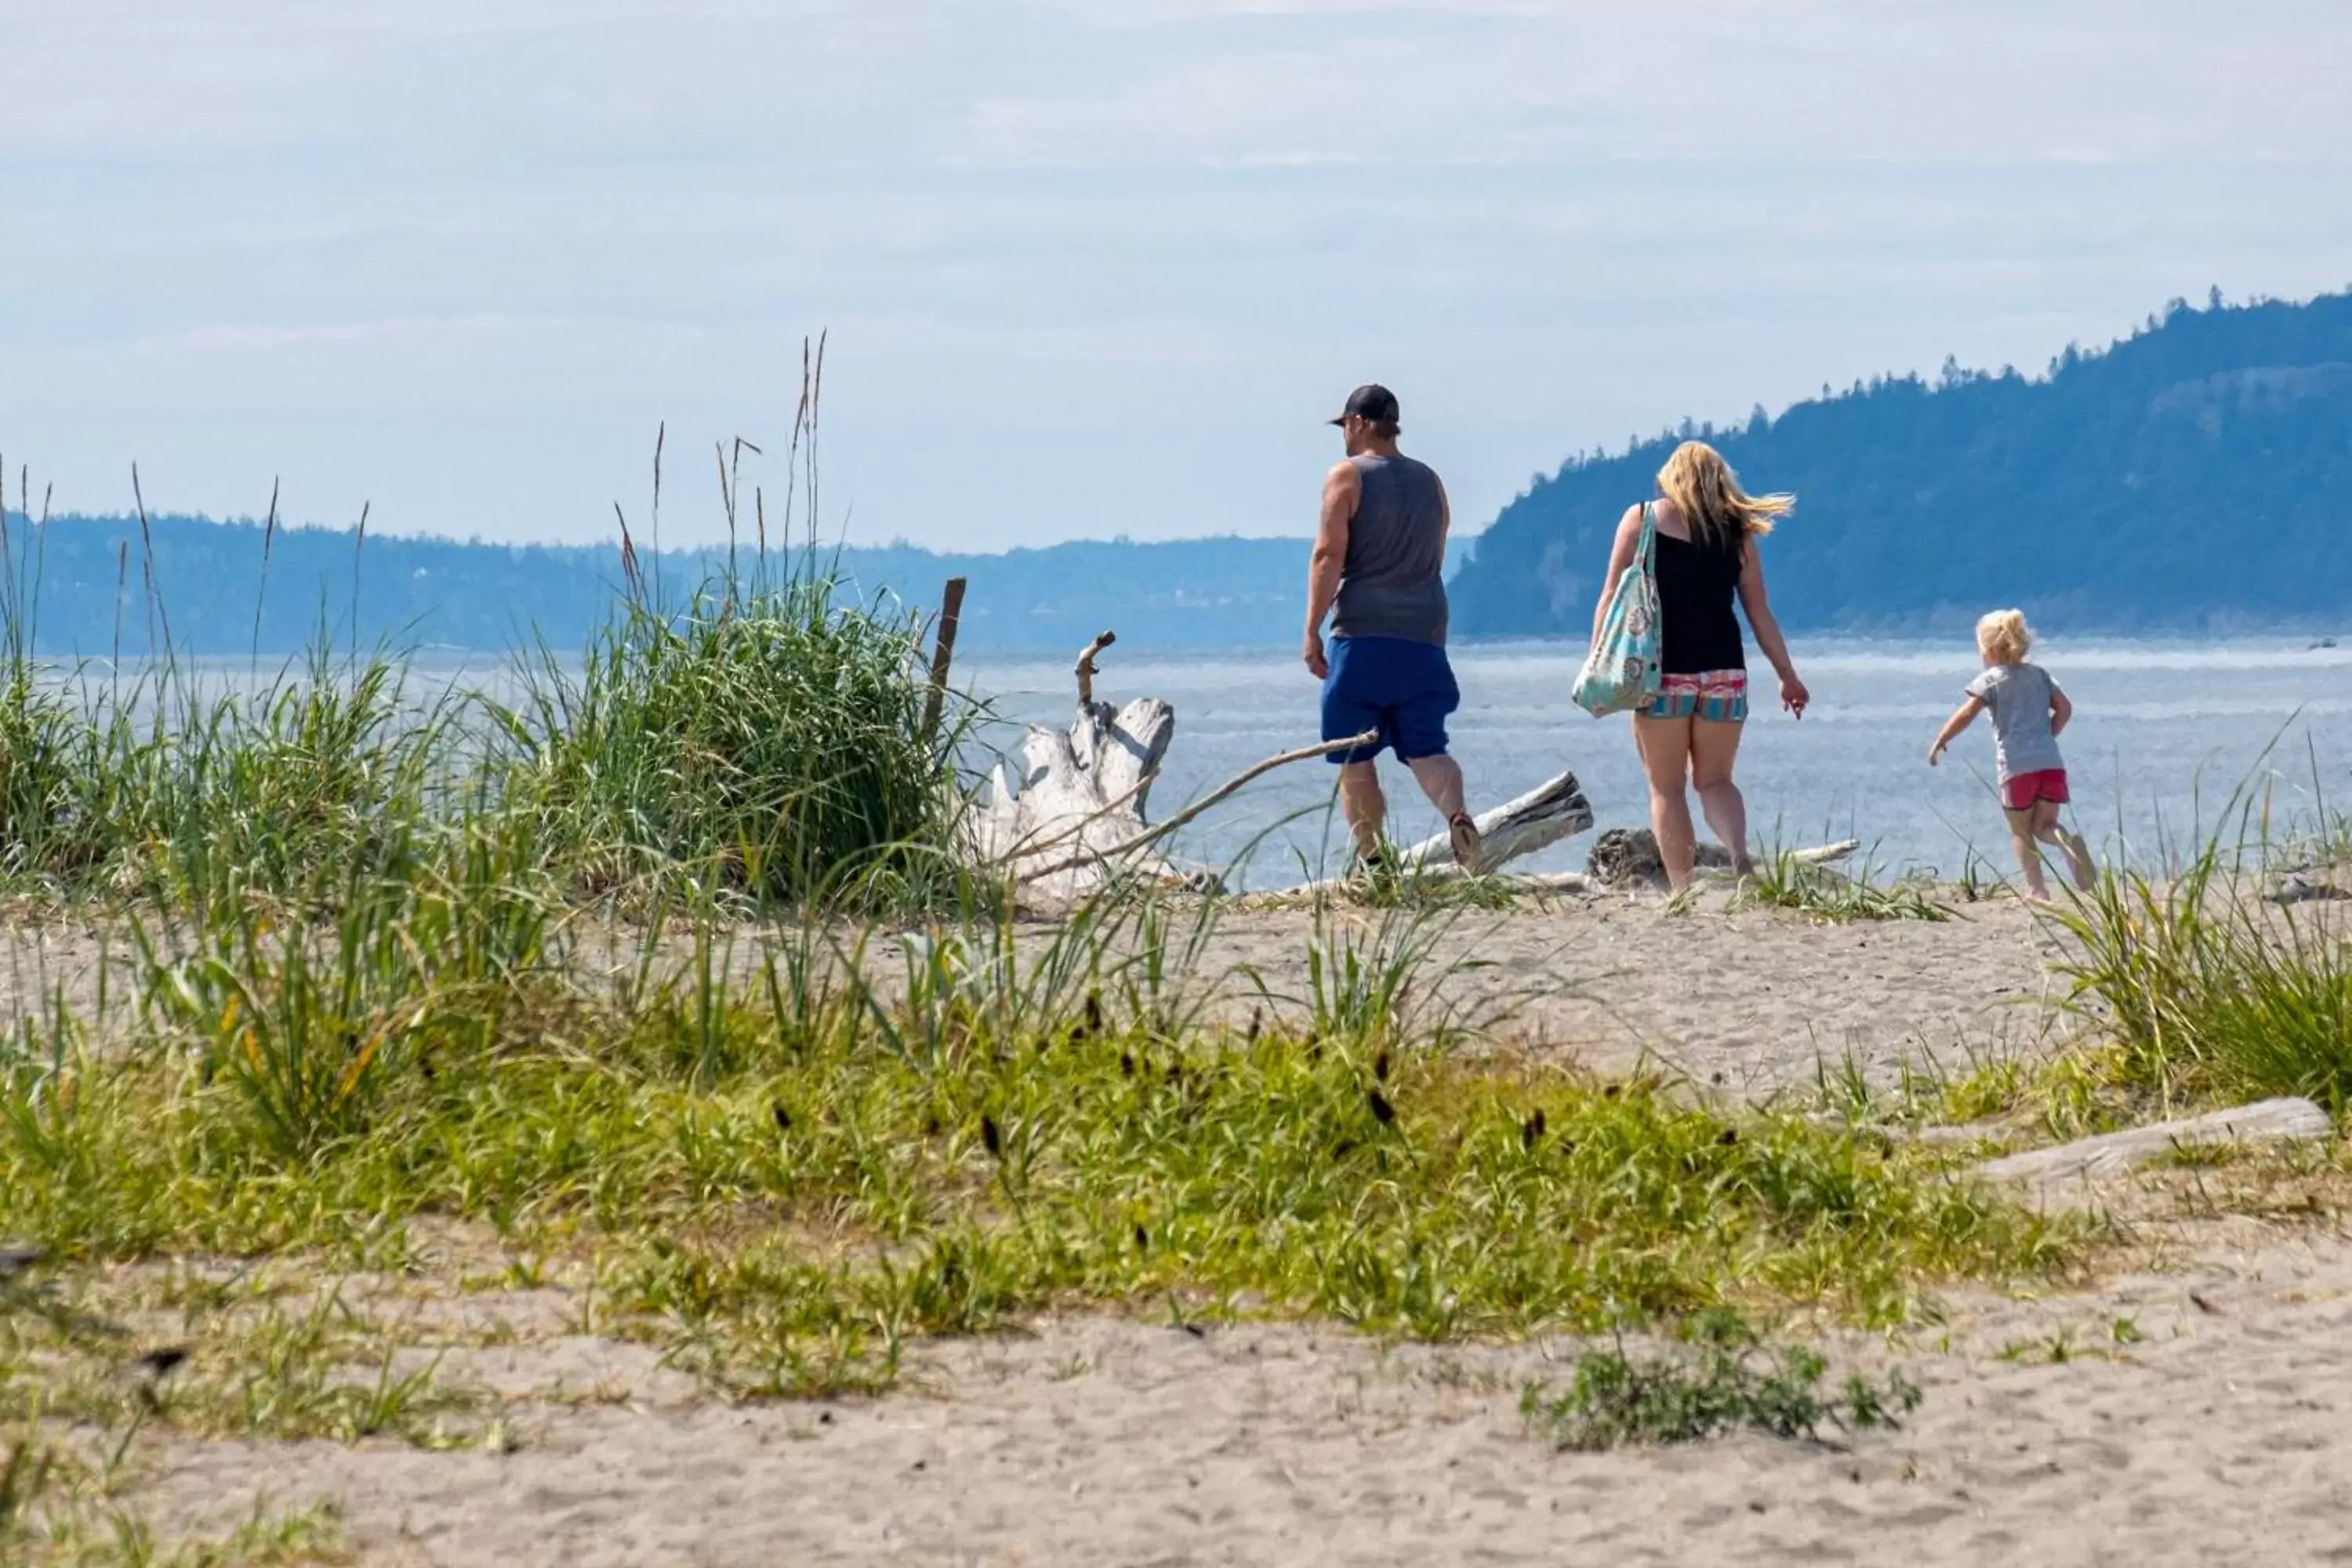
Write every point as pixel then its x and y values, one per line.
pixel 2018 698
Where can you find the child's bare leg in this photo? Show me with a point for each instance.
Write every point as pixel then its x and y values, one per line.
pixel 2078 853
pixel 2029 854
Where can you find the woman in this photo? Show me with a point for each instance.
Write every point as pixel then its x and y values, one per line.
pixel 1707 530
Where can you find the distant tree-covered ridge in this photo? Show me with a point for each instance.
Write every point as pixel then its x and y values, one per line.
pixel 2196 474
pixel 84 586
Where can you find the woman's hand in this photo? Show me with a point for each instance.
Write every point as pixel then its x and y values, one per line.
pixel 1794 695
pixel 1936 753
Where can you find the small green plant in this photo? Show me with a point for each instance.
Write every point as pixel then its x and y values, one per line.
pixel 60 1509
pixel 2055 1347
pixel 1369 985
pixel 1722 1380
pixel 1783 881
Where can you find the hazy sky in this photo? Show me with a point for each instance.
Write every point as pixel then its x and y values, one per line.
pixel 1090 267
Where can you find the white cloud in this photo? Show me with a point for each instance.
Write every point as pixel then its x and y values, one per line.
pixel 363 230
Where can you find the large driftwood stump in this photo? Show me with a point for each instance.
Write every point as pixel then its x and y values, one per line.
pixel 1068 819
pixel 2070 1167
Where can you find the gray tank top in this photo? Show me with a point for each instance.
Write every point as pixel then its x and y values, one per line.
pixel 1393 585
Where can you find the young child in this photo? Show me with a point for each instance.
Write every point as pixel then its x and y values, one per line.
pixel 2028 713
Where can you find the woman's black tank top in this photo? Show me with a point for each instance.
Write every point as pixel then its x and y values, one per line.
pixel 1696 584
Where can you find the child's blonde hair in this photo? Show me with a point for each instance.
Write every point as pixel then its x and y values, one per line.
pixel 2005 635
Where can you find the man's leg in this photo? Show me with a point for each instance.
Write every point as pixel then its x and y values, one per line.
pixel 1422 745
pixel 1439 778
pixel 1362 803
pixel 1345 715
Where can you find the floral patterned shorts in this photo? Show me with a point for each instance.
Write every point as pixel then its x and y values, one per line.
pixel 1718 696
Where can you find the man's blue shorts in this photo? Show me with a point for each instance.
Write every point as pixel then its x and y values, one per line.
pixel 1402 688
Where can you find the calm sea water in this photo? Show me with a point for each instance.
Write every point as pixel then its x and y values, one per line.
pixel 2164 732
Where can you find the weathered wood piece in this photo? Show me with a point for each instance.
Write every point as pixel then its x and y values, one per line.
pixel 2266 1122
pixel 1080 794
pixel 943 653
pixel 1536 884
pixel 1628 856
pixel 1075 817
pixel 1535 820
pixel 2300 887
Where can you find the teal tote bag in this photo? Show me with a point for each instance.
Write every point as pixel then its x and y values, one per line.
pixel 1621 673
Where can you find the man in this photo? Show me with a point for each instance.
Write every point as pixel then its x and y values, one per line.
pixel 1379 564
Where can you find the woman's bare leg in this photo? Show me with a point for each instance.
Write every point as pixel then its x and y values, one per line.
pixel 1666 748
pixel 1715 747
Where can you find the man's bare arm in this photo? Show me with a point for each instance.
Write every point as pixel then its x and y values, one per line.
pixel 1342 489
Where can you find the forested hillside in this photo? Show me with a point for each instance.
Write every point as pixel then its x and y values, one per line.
pixel 2199 473
pixel 81 584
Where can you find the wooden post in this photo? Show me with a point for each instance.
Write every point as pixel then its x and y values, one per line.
pixel 943 655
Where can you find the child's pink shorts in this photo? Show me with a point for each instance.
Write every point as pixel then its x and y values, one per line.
pixel 2020 793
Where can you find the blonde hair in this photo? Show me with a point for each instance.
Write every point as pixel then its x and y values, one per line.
pixel 2005 635
pixel 1706 492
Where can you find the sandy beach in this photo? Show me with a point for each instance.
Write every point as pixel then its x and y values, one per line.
pixel 2217 1432
pixel 2186 1412
pixel 1747 1002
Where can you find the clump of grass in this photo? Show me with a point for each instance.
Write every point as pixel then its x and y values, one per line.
pixel 1379 983
pixel 318 770
pixel 1391 883
pixel 1722 1380
pixel 2207 993
pixel 311 1012
pixel 1783 881
pixel 173 788
pixel 47 756
pixel 770 739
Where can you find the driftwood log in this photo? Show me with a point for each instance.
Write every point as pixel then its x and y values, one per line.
pixel 1628 856
pixel 2069 1169
pixel 1072 818
pixel 1536 820
pixel 1079 795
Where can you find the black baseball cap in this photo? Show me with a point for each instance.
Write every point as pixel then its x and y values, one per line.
pixel 1370 400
